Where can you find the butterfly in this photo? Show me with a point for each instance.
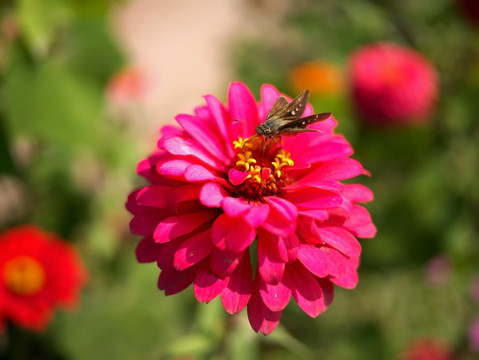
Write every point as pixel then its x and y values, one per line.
pixel 284 118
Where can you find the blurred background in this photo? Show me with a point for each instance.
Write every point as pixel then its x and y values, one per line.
pixel 86 84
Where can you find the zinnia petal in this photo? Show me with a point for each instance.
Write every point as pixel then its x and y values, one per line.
pixel 238 291
pixel 261 318
pixel 207 286
pixel 305 289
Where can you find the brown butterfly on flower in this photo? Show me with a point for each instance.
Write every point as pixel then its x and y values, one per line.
pixel 284 119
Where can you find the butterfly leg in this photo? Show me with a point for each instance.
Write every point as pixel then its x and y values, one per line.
pixel 247 141
pixel 266 138
pixel 276 143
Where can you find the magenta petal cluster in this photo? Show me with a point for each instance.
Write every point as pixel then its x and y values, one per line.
pixel 392 84
pixel 254 223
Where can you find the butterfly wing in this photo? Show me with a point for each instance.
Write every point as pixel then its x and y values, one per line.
pixel 282 113
pixel 289 111
pixel 300 125
pixel 280 103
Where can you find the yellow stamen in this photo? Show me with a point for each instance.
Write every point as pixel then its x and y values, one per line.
pixel 265 166
pixel 24 275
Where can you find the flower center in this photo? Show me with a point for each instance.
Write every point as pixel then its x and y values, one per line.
pixel 265 163
pixel 24 275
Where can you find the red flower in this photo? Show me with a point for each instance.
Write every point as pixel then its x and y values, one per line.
pixel 215 206
pixel 128 86
pixel 428 349
pixel 392 84
pixel 38 272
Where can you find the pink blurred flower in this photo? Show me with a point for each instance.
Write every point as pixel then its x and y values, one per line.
pixel 212 213
pixel 392 84
pixel 438 270
pixel 428 349
pixel 475 289
pixel 474 335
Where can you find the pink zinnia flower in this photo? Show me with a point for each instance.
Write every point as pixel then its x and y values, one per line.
pixel 392 84
pixel 214 211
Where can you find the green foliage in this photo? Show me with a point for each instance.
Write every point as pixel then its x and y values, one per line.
pixel 76 163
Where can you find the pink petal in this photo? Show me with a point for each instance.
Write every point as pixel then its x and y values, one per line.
pixel 224 262
pixel 330 149
pixel 207 286
pixel 275 297
pixel 175 226
pixel 337 263
pixel 145 222
pixel 193 250
pixel 235 207
pixel 222 122
pixel 198 173
pixel 257 214
pixel 212 194
pixel 170 130
pixel 238 291
pixel 358 193
pixel 154 196
pixel 288 247
pixel 174 168
pixel 338 169
pixel 367 231
pixel 165 254
pixel 147 250
pixel 173 281
pixel 185 199
pixel 200 132
pixel 340 239
pixel 305 289
pixel 307 230
pixel 359 223
pixel 261 318
pixel 131 204
pixel 313 182
pixel 282 216
pixel 270 265
pixel 314 260
pixel 147 167
pixel 240 236
pixel 316 214
pixel 220 231
pixel 242 107
pixel 311 198
pixel 303 142
pixel 233 234
pixel 349 279
pixel 237 177
pixel 328 290
pixel 188 147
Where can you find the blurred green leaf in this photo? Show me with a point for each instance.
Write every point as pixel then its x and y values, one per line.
pixel 39 20
pixel 91 50
pixel 54 105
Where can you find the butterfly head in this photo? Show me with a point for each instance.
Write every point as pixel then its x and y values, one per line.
pixel 264 128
